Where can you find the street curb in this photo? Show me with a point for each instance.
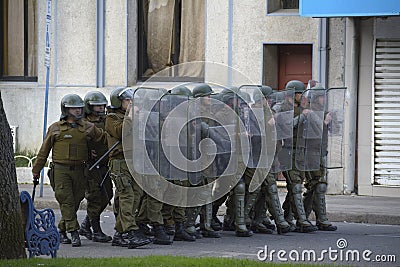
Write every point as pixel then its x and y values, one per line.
pixel 333 216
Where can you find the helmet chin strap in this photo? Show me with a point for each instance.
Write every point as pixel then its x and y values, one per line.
pixel 99 114
pixel 74 117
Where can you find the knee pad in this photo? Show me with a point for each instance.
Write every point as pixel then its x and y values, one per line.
pixel 296 189
pixel 320 188
pixel 272 189
pixel 240 189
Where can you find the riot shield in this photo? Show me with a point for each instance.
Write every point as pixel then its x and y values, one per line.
pixel 252 111
pixel 211 139
pixel 332 143
pixel 310 126
pixel 283 112
pixel 174 137
pixel 146 133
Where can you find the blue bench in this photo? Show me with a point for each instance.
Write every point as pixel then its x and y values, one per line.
pixel 41 234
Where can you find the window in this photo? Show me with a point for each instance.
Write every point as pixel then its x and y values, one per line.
pixel 18 37
pixel 171 32
pixel 282 7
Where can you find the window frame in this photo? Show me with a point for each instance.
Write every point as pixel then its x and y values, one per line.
pixel 24 78
pixel 278 10
pixel 142 54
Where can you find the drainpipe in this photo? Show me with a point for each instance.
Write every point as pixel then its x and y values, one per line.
pixel 100 7
pixel 230 23
pixel 323 51
pixel 351 106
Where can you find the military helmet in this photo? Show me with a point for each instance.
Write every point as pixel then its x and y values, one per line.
pixel 298 86
pixel 227 94
pixel 181 90
pixel 316 92
pixel 257 96
pixel 118 94
pixel 266 90
pixel 94 98
pixel 202 90
pixel 245 96
pixel 217 96
pixel 71 101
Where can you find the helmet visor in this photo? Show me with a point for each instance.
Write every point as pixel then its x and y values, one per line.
pixel 126 94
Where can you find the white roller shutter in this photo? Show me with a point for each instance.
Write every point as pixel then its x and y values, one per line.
pixel 387 113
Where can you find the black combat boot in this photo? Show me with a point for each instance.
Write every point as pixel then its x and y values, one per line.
pixel 258 227
pixel 146 229
pixel 216 224
pixel 181 234
pixel 136 240
pixel 169 228
pixel 274 206
pixel 76 241
pixel 98 235
pixel 85 228
pixel 302 224
pixel 118 240
pixel 160 237
pixel 319 204
pixel 64 238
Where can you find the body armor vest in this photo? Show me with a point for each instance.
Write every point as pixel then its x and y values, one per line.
pixel 71 144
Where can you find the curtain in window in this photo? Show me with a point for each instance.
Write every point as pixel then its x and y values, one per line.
pixel 14 39
pixel 192 37
pixel 32 39
pixel 160 18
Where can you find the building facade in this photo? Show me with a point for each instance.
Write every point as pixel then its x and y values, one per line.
pixel 98 45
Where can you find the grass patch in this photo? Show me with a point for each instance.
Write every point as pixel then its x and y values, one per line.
pixel 140 262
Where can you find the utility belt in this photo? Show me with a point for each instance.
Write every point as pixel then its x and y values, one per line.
pixel 71 167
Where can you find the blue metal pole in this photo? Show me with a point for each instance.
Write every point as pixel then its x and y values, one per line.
pixel 46 98
pixel 46 104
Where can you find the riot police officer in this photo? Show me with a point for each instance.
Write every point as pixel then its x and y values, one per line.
pixel 174 217
pixel 204 92
pixel 294 178
pixel 67 139
pixel 268 196
pixel 240 201
pixel 316 181
pixel 129 192
pixel 150 210
pixel 99 191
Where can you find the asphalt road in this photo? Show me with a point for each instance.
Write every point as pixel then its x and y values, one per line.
pixel 353 244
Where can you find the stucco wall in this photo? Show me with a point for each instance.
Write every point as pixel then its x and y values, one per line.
pixel 336 57
pixel 252 28
pixel 73 65
pixel 75 43
pixel 216 39
pixel 115 43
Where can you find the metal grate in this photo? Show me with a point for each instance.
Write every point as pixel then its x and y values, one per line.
pixel 387 113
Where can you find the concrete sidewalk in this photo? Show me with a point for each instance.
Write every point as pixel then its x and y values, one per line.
pixel 341 208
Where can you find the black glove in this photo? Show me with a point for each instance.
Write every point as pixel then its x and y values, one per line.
pixel 36 179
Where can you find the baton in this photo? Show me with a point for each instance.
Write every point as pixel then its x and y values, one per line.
pixel 35 183
pixel 105 155
pixel 102 183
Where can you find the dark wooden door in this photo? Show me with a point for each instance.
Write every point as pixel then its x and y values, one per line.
pixel 295 63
